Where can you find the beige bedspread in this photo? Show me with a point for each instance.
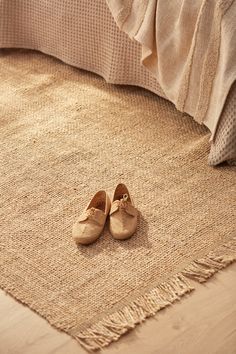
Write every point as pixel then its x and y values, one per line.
pixel 190 48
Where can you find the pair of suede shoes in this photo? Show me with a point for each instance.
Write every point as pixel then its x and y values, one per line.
pixel 122 214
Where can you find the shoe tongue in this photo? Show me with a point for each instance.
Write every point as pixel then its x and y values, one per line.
pixel 96 215
pixel 94 211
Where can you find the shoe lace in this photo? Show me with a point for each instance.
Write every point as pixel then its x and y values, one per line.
pixel 123 201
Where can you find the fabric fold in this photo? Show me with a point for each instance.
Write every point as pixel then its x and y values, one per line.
pixel 188 46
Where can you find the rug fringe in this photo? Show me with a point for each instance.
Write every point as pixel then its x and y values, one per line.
pixel 113 326
pixel 202 269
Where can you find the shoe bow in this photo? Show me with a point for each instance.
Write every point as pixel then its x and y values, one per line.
pixel 94 215
pixel 123 205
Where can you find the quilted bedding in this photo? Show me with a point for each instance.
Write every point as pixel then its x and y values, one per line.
pixel 84 34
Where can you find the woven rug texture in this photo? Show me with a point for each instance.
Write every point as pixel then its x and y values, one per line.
pixel 64 135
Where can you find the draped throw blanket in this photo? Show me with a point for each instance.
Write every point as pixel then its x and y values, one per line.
pixel 189 46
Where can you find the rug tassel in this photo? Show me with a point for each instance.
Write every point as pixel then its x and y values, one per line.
pixel 202 269
pixel 113 326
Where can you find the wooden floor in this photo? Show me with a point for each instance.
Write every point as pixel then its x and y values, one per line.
pixel 203 322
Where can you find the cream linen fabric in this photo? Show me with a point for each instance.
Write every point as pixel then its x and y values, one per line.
pixel 190 48
pixel 64 29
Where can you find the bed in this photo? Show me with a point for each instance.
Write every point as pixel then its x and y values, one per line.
pixel 84 34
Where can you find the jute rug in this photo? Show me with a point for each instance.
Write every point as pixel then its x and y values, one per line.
pixel 66 134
